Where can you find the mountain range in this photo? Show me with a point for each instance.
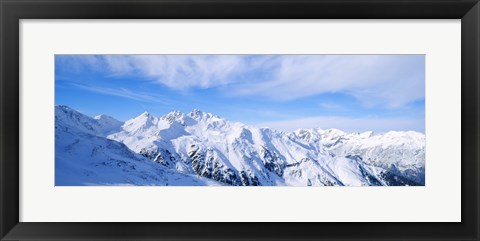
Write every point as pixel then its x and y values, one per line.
pixel 202 149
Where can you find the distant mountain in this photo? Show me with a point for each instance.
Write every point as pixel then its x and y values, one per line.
pixel 201 148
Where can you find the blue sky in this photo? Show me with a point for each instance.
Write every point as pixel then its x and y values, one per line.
pixel 286 92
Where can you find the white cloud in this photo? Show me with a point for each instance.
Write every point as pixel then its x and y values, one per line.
pixel 376 124
pixel 383 80
pixel 375 80
pixel 331 106
pixel 124 93
pixel 178 71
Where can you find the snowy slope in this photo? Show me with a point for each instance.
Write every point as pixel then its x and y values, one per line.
pixel 400 154
pixel 206 147
pixel 83 158
pixel 108 124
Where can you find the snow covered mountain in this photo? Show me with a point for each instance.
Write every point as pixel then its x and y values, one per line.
pixel 200 148
pixel 84 157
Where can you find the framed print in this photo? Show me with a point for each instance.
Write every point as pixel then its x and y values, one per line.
pixel 239 120
pixel 278 148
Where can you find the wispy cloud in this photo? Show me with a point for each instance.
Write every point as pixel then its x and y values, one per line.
pixel 125 93
pixel 331 106
pixel 375 80
pixel 389 81
pixel 376 124
pixel 178 71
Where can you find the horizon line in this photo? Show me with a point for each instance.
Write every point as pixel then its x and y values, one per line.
pixel 258 125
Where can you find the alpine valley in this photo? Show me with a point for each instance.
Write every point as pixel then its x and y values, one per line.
pixel 202 149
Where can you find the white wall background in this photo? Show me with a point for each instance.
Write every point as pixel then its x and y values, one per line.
pixel 438 201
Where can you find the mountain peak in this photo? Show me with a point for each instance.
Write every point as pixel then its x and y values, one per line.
pixel 103 117
pixel 65 109
pixel 201 115
pixel 107 120
pixel 66 116
pixel 175 113
pixel 195 112
pixel 144 117
pixel 176 116
pixel 140 123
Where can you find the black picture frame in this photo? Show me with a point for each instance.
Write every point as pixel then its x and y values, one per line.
pixel 12 11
